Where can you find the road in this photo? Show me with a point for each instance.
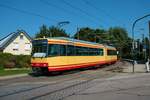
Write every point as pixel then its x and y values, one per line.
pixel 29 87
pixel 130 87
pixel 72 85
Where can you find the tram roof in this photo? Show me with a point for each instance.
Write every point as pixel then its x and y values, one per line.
pixel 110 47
pixel 74 40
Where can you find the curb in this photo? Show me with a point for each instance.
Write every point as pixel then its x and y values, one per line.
pixel 12 76
pixel 124 76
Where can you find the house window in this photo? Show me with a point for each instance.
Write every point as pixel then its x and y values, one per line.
pixel 27 46
pixel 21 37
pixel 16 46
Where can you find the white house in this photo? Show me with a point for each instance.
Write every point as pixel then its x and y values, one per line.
pixel 16 43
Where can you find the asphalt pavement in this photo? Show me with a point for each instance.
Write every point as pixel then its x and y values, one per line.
pixel 127 87
pixel 98 84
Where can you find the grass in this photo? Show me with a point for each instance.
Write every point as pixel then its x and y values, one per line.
pixel 13 71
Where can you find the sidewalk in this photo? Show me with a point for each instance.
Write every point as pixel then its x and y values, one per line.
pixel 138 68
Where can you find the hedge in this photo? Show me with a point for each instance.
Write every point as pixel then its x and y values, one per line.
pixel 8 60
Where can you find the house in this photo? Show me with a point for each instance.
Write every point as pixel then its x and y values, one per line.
pixel 16 43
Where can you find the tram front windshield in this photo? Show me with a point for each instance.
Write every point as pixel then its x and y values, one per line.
pixel 39 48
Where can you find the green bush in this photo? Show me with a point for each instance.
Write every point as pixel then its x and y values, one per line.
pixel 1 67
pixel 8 60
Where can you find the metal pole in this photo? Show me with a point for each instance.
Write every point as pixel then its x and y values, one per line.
pixel 133 46
pixel 149 40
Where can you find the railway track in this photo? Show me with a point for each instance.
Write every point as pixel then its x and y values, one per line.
pixel 71 90
pixel 58 89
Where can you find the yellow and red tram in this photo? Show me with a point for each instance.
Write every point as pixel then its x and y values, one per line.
pixel 59 54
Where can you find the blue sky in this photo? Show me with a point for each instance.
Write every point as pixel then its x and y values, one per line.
pixel 80 13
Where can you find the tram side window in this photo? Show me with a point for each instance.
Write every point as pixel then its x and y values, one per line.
pixel 70 50
pixel 85 51
pixel 111 52
pixel 90 51
pixel 62 50
pixel 101 52
pixel 95 51
pixel 54 50
pixel 82 51
pixel 77 49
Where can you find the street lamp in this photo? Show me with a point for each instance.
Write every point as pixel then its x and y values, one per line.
pixel 60 24
pixel 63 23
pixel 133 25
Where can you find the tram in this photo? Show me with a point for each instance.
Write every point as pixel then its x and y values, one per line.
pixel 60 54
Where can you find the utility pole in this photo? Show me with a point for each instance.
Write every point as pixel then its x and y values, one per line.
pixel 95 38
pixel 143 44
pixel 144 47
pixel 78 37
pixel 149 40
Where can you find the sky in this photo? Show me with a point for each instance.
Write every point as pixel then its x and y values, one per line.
pixel 29 15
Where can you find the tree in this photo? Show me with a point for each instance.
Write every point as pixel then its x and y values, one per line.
pixel 83 34
pixel 43 32
pixel 122 41
pixel 57 32
pixel 51 32
pixel 89 34
pixel 115 36
pixel 100 35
